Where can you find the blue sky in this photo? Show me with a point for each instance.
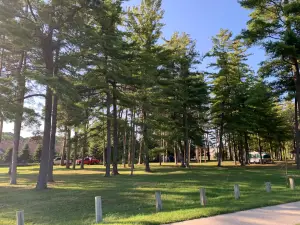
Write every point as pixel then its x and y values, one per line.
pixel 202 19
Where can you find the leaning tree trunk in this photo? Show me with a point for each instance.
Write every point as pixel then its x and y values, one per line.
pixel 18 117
pixel 108 132
pixel 68 149
pixel 146 143
pixel 75 149
pixel 42 178
pixel 52 139
pixel 115 132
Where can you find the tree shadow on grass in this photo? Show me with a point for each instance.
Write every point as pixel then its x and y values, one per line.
pixel 71 198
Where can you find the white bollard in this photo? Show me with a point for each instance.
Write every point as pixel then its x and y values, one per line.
pixel 158 201
pixel 236 191
pixel 292 183
pixel 268 187
pixel 20 217
pixel 98 209
pixel 202 197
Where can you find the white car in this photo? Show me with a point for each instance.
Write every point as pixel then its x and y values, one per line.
pixel 255 157
pixel 57 161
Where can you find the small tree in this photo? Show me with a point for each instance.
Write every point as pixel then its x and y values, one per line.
pixel 25 154
pixel 37 154
pixel 7 155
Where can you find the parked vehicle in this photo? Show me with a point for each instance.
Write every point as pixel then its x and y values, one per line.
pixel 254 157
pixel 57 161
pixel 88 161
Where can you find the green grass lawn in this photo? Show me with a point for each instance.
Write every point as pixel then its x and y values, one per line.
pixel 131 200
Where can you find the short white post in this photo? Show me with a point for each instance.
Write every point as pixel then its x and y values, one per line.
pixel 236 191
pixel 202 197
pixel 20 217
pixel 98 209
pixel 158 201
pixel 268 187
pixel 292 183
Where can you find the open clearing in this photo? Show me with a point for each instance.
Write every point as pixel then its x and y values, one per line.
pixel 130 200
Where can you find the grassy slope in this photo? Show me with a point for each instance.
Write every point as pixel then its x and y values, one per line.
pixel 130 200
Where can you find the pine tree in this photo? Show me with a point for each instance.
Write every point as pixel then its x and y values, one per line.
pixel 37 153
pixel 144 24
pixel 25 154
pixel 275 24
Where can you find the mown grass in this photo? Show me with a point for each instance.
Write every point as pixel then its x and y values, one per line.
pixel 130 200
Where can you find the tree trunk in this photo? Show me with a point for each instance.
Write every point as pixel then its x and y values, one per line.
pixel 230 148
pixel 46 45
pixel 75 149
pixel 220 155
pixel 104 145
pixel 68 149
pixel 221 148
pixel 85 142
pixel 115 132
pixel 271 150
pixel 208 150
pixel 133 140
pixel 246 148
pixel 234 150
pixel 297 136
pixel 186 140
pixel 42 178
pixel 146 150
pixel 182 154
pixel 124 140
pixel 141 153
pixel 53 123
pixel 108 132
pixel 18 117
pixel 175 154
pixel 1 128
pixel 62 159
pixel 52 139
pixel 260 149
pixel 197 154
pixel 241 151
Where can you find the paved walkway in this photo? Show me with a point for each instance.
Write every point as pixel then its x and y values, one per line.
pixel 286 214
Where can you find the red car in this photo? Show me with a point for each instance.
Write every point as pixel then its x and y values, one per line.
pixel 88 161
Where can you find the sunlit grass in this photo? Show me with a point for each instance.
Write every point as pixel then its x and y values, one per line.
pixel 130 200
